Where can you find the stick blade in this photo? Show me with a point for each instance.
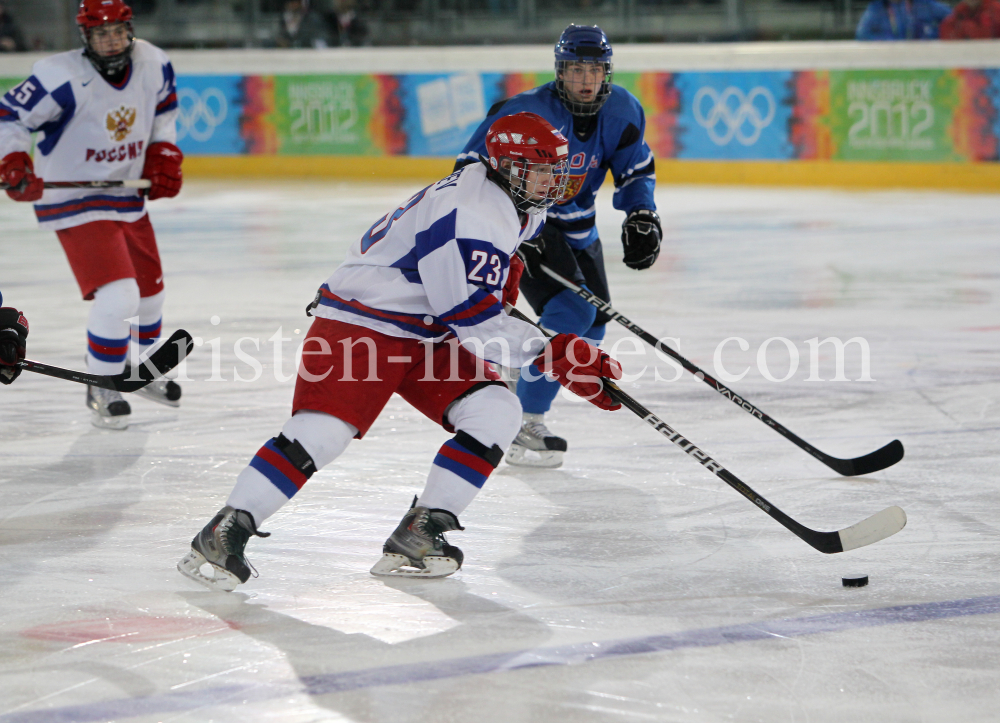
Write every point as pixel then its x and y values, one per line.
pixel 873 462
pixel 161 361
pixel 877 527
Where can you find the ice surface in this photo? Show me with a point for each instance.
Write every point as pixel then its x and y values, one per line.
pixel 630 585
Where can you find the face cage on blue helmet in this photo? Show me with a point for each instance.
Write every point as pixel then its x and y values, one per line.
pixel 108 64
pixel 516 174
pixel 575 107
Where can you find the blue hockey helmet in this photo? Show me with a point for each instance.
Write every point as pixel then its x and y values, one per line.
pixel 583 44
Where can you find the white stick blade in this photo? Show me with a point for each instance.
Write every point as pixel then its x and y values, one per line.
pixel 877 527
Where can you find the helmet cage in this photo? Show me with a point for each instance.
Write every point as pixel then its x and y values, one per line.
pixel 527 157
pixel 545 187
pixel 98 14
pixel 575 106
pixel 108 64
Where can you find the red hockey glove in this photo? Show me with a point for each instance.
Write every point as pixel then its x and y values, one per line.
pixel 163 169
pixel 17 170
pixel 576 365
pixel 13 337
pixel 510 289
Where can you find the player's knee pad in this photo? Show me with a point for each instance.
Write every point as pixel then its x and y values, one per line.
pixel 492 455
pixel 567 313
pixel 118 300
pixel 295 453
pixel 491 415
pixel 322 437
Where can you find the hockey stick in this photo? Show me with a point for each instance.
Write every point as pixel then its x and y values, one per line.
pixel 877 527
pixel 866 464
pixel 132 183
pixel 161 361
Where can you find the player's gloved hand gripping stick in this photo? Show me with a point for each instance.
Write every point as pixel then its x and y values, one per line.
pixel 866 464
pixel 877 527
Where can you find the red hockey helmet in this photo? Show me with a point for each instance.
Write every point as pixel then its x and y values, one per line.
pixel 531 156
pixel 97 13
pixel 101 12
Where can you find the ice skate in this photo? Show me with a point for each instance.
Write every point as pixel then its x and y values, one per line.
pixel 535 445
pixel 216 559
pixel 418 548
pixel 161 391
pixel 108 409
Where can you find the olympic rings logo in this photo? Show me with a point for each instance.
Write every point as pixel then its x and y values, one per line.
pixel 199 115
pixel 734 119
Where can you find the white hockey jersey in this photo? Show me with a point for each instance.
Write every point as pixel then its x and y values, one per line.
pixel 90 130
pixel 435 267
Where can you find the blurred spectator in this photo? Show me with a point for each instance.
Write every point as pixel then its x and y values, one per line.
pixel 348 28
pixel 902 20
pixel 972 20
pixel 11 40
pixel 301 27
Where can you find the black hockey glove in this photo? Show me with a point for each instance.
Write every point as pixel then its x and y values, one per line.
pixel 532 253
pixel 13 337
pixel 641 235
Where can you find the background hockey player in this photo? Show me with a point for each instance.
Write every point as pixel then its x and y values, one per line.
pixel 432 270
pixel 13 341
pixel 106 113
pixel 605 126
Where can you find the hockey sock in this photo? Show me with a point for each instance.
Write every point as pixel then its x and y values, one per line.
pixel 108 327
pixel 486 423
pixel 308 442
pixel 536 392
pixel 147 331
pixel 564 313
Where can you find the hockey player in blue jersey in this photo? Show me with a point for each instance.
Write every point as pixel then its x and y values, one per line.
pixel 605 125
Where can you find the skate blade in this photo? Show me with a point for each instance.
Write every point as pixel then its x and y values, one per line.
pixel 392 565
pixel 519 456
pixel 147 393
pixel 101 422
pixel 191 566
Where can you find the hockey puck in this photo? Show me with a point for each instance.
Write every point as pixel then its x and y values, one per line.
pixel 854 580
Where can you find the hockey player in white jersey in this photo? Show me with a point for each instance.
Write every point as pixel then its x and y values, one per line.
pixel 417 309
pixel 105 113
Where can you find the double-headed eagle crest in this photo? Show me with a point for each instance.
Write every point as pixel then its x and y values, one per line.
pixel 120 123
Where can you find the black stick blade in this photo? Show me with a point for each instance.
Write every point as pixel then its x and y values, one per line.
pixel 161 361
pixel 873 462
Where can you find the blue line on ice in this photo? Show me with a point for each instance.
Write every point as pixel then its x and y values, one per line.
pixel 497 662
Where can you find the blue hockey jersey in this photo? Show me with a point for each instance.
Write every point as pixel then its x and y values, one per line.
pixel 615 142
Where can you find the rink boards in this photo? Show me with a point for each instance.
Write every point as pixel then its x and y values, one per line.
pixel 849 114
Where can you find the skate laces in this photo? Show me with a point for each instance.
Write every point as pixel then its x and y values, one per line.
pixel 537 429
pixel 234 537
pixel 106 397
pixel 433 526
